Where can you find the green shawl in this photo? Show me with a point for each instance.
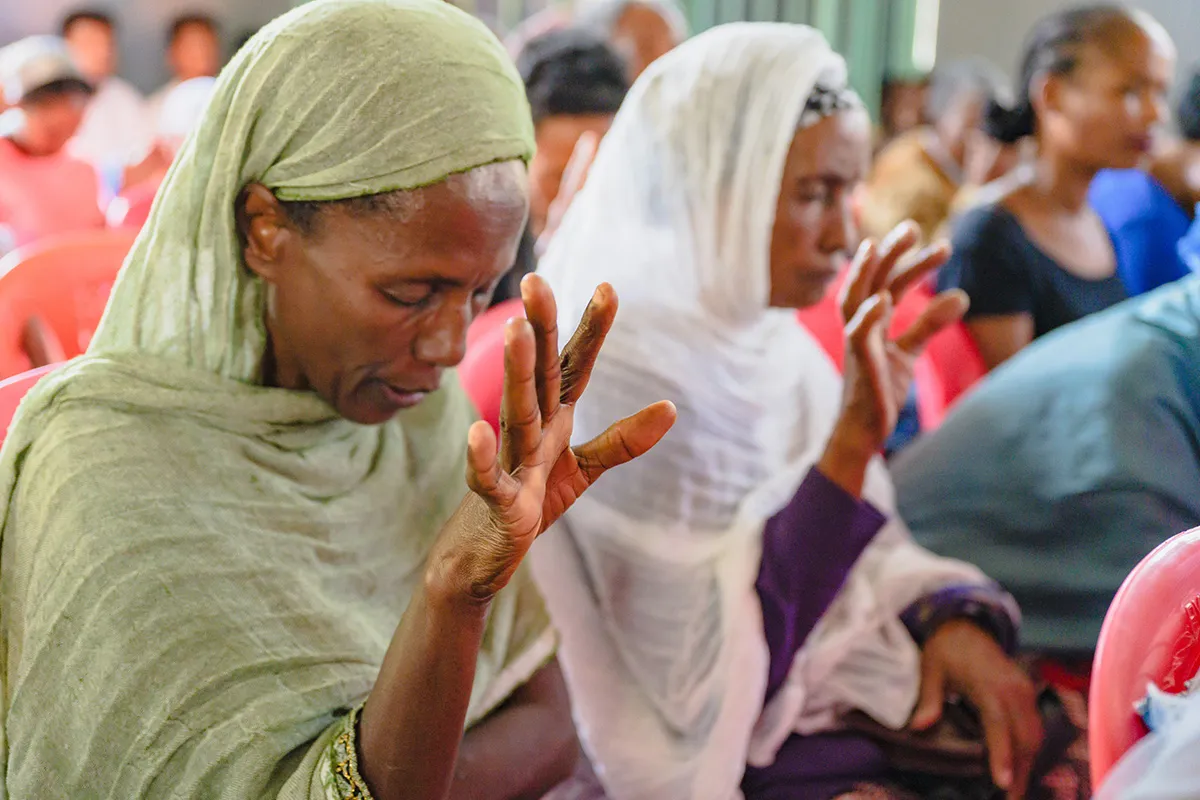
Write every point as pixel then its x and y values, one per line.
pixel 199 576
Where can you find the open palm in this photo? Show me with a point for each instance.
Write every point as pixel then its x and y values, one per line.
pixel 522 484
pixel 879 369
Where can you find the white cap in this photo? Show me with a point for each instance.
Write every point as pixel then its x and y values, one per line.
pixel 36 61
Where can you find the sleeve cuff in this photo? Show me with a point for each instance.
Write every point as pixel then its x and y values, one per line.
pixel 989 607
pixel 338 766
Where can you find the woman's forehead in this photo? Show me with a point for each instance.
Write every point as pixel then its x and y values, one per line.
pixel 838 145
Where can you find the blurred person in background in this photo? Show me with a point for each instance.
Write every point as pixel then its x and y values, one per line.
pixel 918 174
pixel 115 131
pixel 551 18
pixel 1149 210
pixel 902 106
pixel 575 84
pixel 640 31
pixel 193 51
pixel 1092 92
pixel 1068 466
pixel 44 190
pixel 181 111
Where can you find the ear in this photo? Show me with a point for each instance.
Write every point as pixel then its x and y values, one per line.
pixel 1046 93
pixel 264 227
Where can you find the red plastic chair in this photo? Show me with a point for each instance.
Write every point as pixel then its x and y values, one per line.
pixel 1151 634
pixel 493 318
pixel 824 322
pixel 945 372
pixel 13 390
pixel 131 208
pixel 66 282
pixel 482 369
pixel 950 365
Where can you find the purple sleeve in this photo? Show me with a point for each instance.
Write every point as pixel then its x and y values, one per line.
pixel 808 550
pixel 988 606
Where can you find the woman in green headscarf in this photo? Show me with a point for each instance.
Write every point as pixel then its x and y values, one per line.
pixel 239 520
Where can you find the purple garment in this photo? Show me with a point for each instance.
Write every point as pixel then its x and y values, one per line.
pixel 816 767
pixel 809 549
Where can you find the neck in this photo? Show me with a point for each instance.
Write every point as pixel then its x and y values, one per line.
pixel 279 369
pixel 1062 182
pixel 23 146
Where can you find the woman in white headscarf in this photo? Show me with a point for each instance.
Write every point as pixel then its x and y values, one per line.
pixel 719 202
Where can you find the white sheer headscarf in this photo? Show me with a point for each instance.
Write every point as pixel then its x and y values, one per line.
pixel 650 576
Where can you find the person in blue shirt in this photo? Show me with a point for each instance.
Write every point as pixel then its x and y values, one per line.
pixel 1148 211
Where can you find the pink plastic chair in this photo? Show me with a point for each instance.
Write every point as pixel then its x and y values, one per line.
pixel 13 390
pixel 945 372
pixel 824 322
pixel 482 369
pixel 66 282
pixel 131 208
pixel 493 318
pixel 1150 635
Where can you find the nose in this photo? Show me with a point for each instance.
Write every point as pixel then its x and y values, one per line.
pixel 443 340
pixel 839 231
pixel 1158 110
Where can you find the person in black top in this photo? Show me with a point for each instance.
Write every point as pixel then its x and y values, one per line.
pixel 1092 91
pixel 575 84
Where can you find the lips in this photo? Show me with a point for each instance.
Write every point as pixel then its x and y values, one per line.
pixel 1141 144
pixel 401 398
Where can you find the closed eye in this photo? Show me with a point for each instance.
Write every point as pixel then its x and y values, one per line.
pixel 412 296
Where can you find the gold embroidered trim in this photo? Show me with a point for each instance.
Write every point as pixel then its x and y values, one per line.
pixel 348 784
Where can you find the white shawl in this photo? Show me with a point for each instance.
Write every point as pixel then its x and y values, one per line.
pixel 650 576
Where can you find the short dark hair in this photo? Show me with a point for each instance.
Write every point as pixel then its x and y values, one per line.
pixel 1188 111
pixel 57 89
pixel 950 83
pixel 1053 48
pixel 88 15
pixel 193 18
pixel 571 71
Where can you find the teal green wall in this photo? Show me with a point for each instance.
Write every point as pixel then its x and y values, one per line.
pixel 875 36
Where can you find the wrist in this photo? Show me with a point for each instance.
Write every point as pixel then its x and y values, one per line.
pixel 447 587
pixel 846 457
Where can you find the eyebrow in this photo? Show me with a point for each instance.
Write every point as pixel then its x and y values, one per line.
pixel 828 177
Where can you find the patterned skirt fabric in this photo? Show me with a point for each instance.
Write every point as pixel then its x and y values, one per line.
pixel 1061 770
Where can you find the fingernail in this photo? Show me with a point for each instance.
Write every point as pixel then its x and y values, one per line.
pixel 1004 779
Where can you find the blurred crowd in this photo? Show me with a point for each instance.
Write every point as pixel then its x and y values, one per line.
pixel 79 145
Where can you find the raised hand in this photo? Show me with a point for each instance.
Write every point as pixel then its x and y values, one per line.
pixel 879 369
pixel 524 483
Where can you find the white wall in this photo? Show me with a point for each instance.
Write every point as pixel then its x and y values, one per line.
pixel 143 25
pixel 996 29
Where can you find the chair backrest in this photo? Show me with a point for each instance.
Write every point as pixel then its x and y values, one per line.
pixel 1151 634
pixel 131 208
pixel 13 389
pixel 949 367
pixel 66 282
pixel 493 318
pixel 824 322
pixel 482 369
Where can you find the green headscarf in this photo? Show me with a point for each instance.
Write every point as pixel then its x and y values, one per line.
pixel 199 576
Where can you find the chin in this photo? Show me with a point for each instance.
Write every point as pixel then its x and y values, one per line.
pixel 363 416
pixel 361 411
